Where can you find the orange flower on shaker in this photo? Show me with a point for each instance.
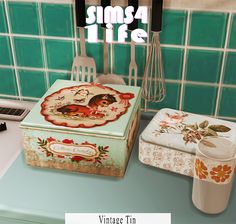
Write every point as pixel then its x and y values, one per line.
pixel 221 173
pixel 201 169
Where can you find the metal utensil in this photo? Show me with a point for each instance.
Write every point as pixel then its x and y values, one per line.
pixel 107 78
pixel 154 88
pixel 133 68
pixel 84 67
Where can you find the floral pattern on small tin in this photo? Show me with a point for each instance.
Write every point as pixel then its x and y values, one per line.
pixel 165 158
pixel 221 173
pixel 201 169
pixel 192 133
pixel 213 171
pixel 182 163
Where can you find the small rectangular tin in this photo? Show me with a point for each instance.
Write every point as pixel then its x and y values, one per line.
pixel 170 140
pixel 82 127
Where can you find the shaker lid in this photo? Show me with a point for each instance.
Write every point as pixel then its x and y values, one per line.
pixel 183 131
pixel 217 148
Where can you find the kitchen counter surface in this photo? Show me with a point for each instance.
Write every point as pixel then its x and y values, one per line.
pixel 10 140
pixel 31 195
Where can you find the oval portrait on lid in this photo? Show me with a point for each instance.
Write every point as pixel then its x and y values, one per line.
pixel 85 106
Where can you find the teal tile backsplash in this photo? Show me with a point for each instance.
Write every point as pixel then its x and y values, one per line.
pixel 232 39
pixel 208 29
pixel 140 59
pixel 230 68
pixel 5 49
pixel 38 44
pixel 60 54
pixel 28 52
pixel 204 66
pixel 8 82
pixel 173 57
pixel 228 102
pixel 200 99
pixel 3 24
pixel 32 83
pixel 53 76
pixel 57 20
pixel 121 57
pixel 95 50
pixel 174 27
pixel 24 17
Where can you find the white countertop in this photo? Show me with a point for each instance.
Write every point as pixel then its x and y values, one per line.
pixel 10 140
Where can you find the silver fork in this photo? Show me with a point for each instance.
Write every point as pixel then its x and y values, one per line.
pixel 133 68
pixel 84 67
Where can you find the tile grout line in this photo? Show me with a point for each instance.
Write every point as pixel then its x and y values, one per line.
pixel 34 69
pixel 219 117
pixel 189 47
pixel 9 96
pixel 225 117
pixel 116 42
pixel 12 49
pixel 177 6
pixel 201 10
pixel 39 36
pixel 231 50
pixel 219 93
pixel 111 57
pixel 43 46
pixel 204 48
pixel 174 81
pixel 184 69
pixel 16 97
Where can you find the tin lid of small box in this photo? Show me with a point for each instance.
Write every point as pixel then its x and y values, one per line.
pixel 183 131
pixel 86 108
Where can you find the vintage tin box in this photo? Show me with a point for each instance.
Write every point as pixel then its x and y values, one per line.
pixel 170 140
pixel 82 127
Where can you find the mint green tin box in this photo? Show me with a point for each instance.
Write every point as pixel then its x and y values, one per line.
pixel 83 127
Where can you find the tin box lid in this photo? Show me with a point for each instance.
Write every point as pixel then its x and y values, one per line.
pixel 183 131
pixel 85 108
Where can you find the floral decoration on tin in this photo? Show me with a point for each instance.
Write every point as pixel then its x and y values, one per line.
pixel 68 149
pixel 201 169
pixel 85 106
pixel 192 133
pixel 166 158
pixel 219 173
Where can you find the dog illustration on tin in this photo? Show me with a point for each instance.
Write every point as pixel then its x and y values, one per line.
pixel 91 110
pixel 85 106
